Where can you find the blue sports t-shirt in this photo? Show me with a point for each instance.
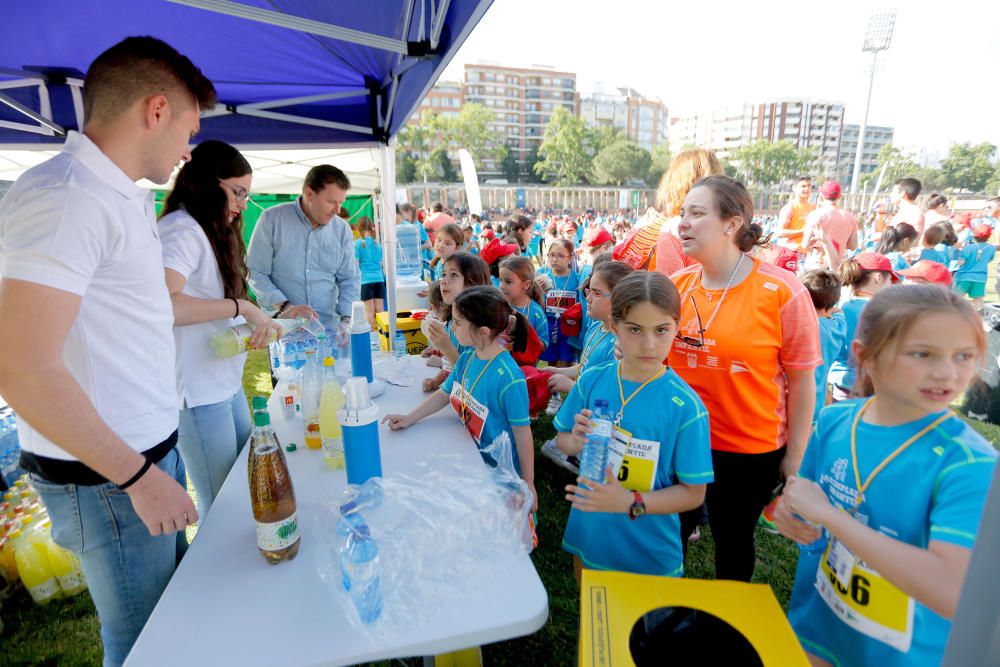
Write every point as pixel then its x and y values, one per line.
pixel 976 258
pixel 598 347
pixel 897 260
pixel 438 270
pixel 498 402
pixel 368 252
pixel 934 490
pixel 536 318
pixel 842 369
pixel 934 255
pixel 669 441
pixel 832 335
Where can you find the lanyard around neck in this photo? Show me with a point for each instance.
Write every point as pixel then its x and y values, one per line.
pixel 468 392
pixel 621 389
pixel 862 487
pixel 587 351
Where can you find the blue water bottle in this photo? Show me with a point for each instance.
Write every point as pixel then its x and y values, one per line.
pixel 359 421
pixel 361 346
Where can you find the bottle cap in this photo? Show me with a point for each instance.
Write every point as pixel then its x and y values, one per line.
pixel 327 362
pixel 259 402
pixel 356 394
pixel 291 447
pixel 601 403
pixel 261 419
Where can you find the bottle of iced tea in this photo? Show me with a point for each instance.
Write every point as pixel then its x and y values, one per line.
pixel 272 495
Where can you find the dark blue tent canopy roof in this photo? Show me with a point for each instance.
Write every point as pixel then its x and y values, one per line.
pixel 288 72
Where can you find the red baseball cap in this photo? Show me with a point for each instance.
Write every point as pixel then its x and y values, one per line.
pixel 830 190
pixel 488 234
pixel 494 250
pixel 600 238
pixel 787 259
pixel 926 270
pixel 873 261
pixel 982 231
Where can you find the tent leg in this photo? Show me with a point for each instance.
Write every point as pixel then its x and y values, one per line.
pixel 387 222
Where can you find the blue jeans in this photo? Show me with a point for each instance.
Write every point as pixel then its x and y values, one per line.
pixel 210 438
pixel 126 567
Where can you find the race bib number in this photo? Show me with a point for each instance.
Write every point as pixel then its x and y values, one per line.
pixel 558 300
pixel 633 460
pixel 475 415
pixel 863 599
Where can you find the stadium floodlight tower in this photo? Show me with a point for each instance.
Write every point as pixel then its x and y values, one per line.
pixel 877 38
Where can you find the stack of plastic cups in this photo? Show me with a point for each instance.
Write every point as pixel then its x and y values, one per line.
pixel 359 420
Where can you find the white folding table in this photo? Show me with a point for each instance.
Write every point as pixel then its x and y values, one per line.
pixel 226 606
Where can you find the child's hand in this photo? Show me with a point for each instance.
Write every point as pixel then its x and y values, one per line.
pixel 434 361
pixel 793 528
pixel 581 428
pixel 807 499
pixel 560 383
pixel 608 497
pixel 422 294
pixel 437 333
pixel 534 496
pixel 398 422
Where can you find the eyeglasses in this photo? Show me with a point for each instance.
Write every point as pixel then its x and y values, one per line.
pixel 688 340
pixel 240 193
pixel 596 293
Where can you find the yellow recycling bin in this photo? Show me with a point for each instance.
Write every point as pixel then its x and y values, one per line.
pixel 634 619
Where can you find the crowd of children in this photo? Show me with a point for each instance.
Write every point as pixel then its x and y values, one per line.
pixel 528 309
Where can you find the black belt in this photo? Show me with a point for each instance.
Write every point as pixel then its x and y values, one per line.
pixel 60 471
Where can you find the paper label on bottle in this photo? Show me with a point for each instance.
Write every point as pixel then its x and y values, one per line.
pixel 72 582
pixel 288 406
pixel 44 591
pixel 362 571
pixel 278 535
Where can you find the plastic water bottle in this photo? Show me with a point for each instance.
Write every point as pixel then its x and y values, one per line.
pixel 312 389
pixel 364 572
pixel 594 457
pixel 399 349
pixel 408 251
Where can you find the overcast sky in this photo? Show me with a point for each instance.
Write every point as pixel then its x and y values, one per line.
pixel 938 83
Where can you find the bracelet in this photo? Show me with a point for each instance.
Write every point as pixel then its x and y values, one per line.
pixel 237 308
pixel 135 478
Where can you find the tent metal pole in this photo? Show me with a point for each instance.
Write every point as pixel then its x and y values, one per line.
pixel 387 226
pixel 302 120
pixel 438 22
pixel 33 115
pixel 271 104
pixel 295 23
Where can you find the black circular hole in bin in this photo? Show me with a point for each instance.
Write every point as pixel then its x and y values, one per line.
pixel 683 636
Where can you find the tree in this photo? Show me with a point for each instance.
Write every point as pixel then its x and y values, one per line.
pixel 931 179
pixel 969 167
pixel 619 162
pixel 406 167
pixel 565 150
pixel 530 175
pixel 764 163
pixel 658 164
pixel 444 170
pixel 898 164
pixel 509 168
pixel 992 188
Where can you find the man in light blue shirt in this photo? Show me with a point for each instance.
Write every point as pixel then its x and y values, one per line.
pixel 301 255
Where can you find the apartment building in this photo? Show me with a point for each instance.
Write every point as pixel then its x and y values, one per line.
pixel 640 119
pixel 876 136
pixel 522 101
pixel 445 98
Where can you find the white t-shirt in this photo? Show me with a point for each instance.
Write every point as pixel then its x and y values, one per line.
pixel 78 223
pixel 202 377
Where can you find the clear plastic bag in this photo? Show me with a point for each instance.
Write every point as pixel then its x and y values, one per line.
pixel 444 524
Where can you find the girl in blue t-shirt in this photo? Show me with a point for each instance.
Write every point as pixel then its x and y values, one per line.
pixel 973 265
pixel 560 295
pixel 659 459
pixel 461 271
pixel 866 275
pixel 486 388
pixel 368 252
pixel 517 284
pixel 447 241
pixel 887 501
pixel 895 244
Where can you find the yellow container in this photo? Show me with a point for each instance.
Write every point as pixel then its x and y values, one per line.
pixel 32 560
pixel 415 340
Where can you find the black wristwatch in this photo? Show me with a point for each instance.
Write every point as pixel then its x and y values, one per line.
pixel 638 507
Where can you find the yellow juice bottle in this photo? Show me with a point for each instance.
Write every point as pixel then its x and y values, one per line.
pixel 33 567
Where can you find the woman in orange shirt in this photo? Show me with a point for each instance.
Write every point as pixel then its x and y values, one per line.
pixel 747 343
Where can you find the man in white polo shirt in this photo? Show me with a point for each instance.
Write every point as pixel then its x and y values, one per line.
pixel 86 332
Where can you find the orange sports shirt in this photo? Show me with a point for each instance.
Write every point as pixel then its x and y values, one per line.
pixel 766 325
pixel 793 216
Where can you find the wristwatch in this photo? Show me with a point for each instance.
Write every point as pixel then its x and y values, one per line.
pixel 638 507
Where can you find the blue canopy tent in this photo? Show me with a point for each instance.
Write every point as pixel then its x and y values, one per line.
pixel 290 73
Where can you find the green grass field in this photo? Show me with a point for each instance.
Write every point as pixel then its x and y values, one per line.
pixel 66 632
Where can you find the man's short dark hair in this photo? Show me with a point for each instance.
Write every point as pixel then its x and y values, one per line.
pixel 803 178
pixel 323 175
pixel 910 187
pixel 137 67
pixel 438 207
pixel 824 288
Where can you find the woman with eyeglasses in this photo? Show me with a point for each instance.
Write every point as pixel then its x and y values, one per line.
pixel 748 344
pixel 201 230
